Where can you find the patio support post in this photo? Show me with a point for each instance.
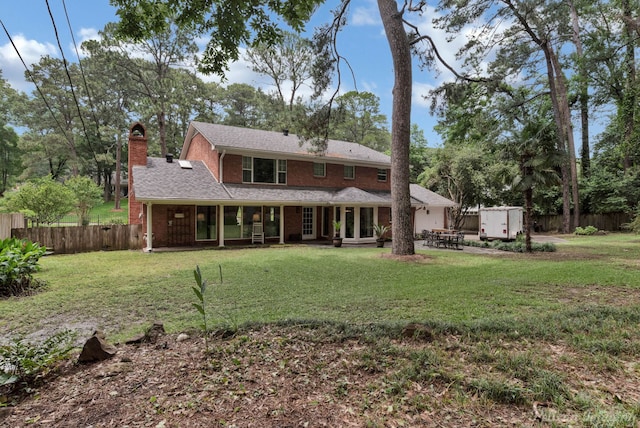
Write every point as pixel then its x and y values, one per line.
pixel 221 226
pixel 282 224
pixel 149 228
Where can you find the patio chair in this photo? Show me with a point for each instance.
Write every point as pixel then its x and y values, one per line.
pixel 258 233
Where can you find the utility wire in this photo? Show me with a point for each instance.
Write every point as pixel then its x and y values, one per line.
pixel 33 80
pixel 73 92
pixel 84 78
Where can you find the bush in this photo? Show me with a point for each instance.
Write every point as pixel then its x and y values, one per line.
pixel 24 364
pixel 18 261
pixel 518 246
pixel 634 226
pixel 589 230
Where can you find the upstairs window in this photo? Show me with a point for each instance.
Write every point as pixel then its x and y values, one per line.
pixel 382 175
pixel 349 172
pixel 261 170
pixel 319 169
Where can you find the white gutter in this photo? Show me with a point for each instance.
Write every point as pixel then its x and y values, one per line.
pixel 221 166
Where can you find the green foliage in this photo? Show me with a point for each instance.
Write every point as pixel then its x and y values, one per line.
pixel 87 195
pixel 200 306
pixel 23 364
pixel 634 225
pixel 357 119
pixel 18 262
pixel 608 191
pixel 518 246
pixel 589 230
pixel 337 225
pixel 48 199
pixel 229 24
pixel 380 230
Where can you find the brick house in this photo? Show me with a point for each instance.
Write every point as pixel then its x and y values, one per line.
pixel 236 186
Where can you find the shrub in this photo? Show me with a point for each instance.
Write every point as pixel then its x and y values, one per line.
pixel 589 230
pixel 634 226
pixel 23 364
pixel 18 261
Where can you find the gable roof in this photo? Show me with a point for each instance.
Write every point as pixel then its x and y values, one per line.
pixel 276 144
pixel 426 197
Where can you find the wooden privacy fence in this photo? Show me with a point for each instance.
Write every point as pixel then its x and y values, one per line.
pixel 82 239
pixel 611 222
pixel 9 222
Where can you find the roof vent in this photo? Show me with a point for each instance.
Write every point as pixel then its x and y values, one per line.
pixel 169 158
pixel 285 132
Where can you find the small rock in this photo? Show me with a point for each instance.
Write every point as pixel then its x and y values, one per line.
pixel 96 349
pixel 182 337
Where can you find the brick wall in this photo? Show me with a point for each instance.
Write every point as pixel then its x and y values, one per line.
pixel 200 149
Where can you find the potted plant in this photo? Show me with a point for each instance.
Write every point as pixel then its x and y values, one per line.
pixel 337 240
pixel 379 231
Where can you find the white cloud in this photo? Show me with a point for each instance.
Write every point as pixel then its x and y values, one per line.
pixel 419 91
pixel 31 51
pixel 368 15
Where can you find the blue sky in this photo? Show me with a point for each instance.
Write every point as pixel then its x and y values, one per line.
pixel 363 43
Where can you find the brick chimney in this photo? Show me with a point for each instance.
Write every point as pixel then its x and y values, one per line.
pixel 137 156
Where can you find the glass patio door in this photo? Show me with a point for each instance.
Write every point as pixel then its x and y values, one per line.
pixel 308 223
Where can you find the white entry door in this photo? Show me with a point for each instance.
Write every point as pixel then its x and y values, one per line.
pixel 308 223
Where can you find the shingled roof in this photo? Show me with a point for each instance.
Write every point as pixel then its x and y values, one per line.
pixel 422 196
pixel 257 142
pixel 160 180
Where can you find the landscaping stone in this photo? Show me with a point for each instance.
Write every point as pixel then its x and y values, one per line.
pixel 96 348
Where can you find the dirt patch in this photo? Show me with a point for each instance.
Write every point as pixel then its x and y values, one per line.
pixel 290 377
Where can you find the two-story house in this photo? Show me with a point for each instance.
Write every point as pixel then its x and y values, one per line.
pixel 229 180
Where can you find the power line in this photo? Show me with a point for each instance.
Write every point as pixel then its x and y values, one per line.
pixel 33 80
pixel 73 92
pixel 84 79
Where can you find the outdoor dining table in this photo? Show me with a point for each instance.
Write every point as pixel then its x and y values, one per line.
pixel 447 239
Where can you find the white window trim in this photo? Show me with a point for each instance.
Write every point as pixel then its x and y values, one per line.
pixel 353 168
pixel 324 169
pixel 277 170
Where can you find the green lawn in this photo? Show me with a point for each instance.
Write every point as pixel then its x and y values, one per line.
pixel 122 291
pixel 555 334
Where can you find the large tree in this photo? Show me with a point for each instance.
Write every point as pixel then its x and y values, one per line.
pixel 358 119
pixel 150 63
pixel 524 34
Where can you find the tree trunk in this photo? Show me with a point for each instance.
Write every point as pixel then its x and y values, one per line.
pixel 567 130
pixel 118 171
pixel 629 98
pixel 562 147
pixel 583 85
pixel 528 207
pixel 402 229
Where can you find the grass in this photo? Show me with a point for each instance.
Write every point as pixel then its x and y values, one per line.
pixel 120 290
pixel 500 319
pixel 101 214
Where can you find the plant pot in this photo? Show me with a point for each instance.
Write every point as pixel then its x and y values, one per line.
pixel 337 242
pixel 379 243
